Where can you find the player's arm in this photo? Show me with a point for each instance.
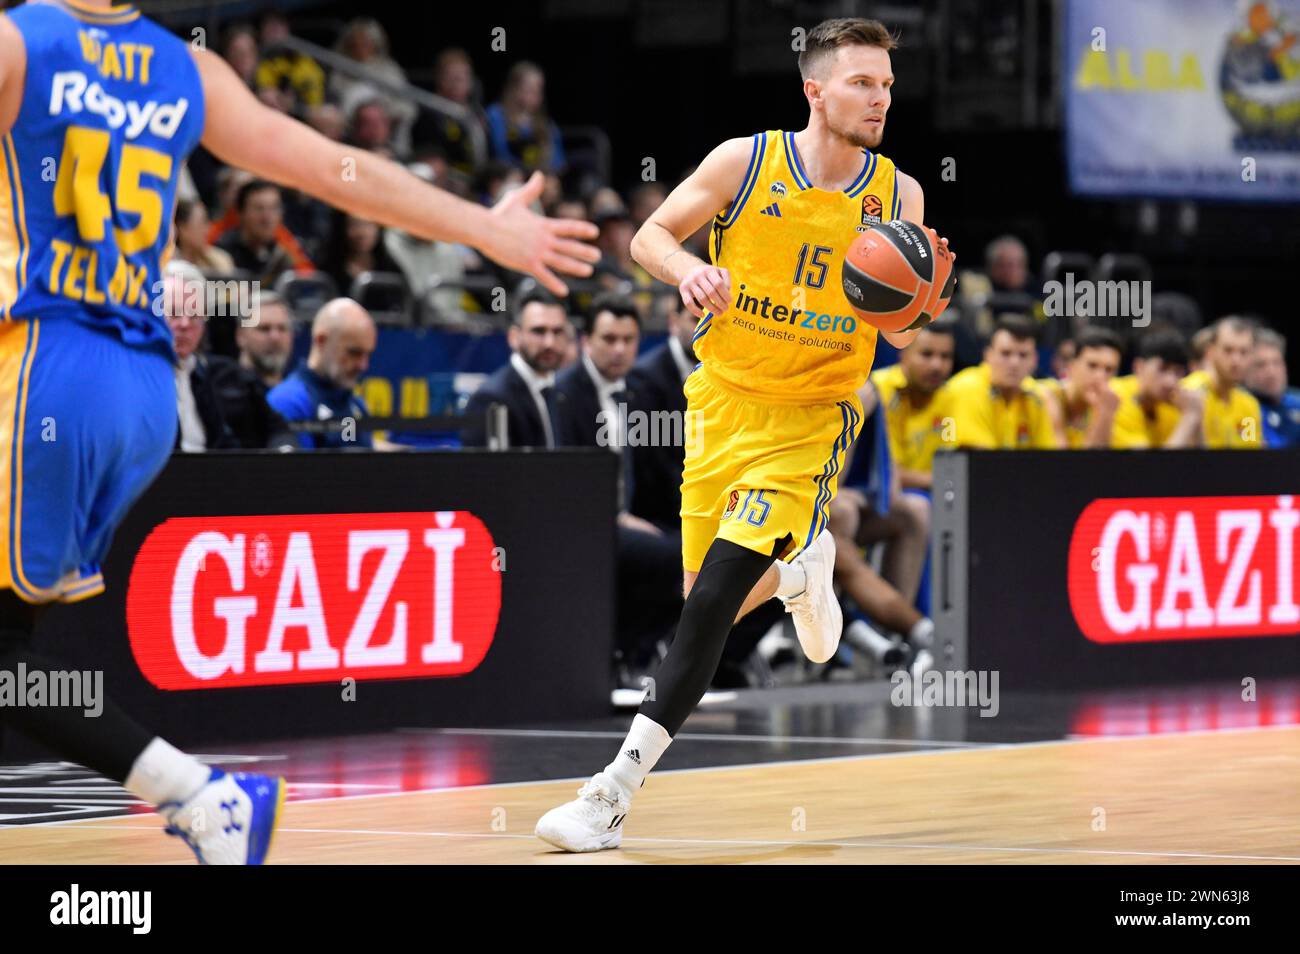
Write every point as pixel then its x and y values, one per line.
pixel 1190 429
pixel 911 198
pixel 240 130
pixel 657 245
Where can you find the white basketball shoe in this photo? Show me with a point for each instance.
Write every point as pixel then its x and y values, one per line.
pixel 592 821
pixel 818 619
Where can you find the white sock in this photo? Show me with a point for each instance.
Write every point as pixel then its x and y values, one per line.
pixel 922 634
pixel 646 741
pixel 791 579
pixel 163 773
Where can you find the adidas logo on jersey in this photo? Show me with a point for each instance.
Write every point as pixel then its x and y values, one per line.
pixel 634 755
pixel 772 210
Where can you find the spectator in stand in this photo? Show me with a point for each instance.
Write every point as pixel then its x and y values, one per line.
pixel 200 424
pixel 192 240
pixel 525 385
pixel 364 41
pixel 914 402
pixel 1083 405
pixel 568 209
pixel 519 130
pixel 1266 379
pixel 996 404
pixel 296 77
pixel 434 271
pixel 355 246
pixel 371 127
pixel 1232 418
pixel 265 343
pixel 343 338
pixel 1153 410
pixel 616 268
pixel 260 244
pixel 239 49
pixel 644 199
pixel 240 387
pixel 454 80
pixel 1062 355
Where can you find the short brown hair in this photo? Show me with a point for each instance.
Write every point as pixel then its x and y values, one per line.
pixel 829 35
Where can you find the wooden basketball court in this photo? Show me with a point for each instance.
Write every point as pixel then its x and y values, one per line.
pixel 1196 797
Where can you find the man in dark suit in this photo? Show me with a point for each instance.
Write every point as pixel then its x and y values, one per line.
pixel 594 411
pixel 657 380
pixel 525 385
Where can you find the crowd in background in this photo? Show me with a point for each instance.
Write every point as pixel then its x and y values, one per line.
pixel 998 372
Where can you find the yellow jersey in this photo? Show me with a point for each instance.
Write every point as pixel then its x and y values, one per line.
pixel 915 430
pixel 983 418
pixel 1076 428
pixel 790 336
pixel 1134 425
pixel 1234 424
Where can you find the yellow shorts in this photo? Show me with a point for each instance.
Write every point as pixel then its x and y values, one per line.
pixel 760 475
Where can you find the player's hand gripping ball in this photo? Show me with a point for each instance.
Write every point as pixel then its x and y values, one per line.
pixel 898 276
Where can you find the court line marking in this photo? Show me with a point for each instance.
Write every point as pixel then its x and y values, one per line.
pixel 770 843
pixel 750 765
pixel 694 736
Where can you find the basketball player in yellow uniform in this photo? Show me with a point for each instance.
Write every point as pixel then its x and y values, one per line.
pixel 1153 410
pixel 1082 403
pixel 772 407
pixel 915 403
pixel 996 404
pixel 1232 419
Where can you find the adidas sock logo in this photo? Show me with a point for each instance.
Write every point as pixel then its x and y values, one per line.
pixel 634 755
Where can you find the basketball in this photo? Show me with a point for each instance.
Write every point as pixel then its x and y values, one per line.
pixel 897 276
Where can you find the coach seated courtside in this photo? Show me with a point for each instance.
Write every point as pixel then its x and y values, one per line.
pixel 525 385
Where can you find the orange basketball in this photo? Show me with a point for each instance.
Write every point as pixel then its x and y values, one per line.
pixel 893 277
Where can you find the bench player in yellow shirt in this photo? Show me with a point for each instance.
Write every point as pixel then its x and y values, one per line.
pixel 773 406
pixel 996 404
pixel 1082 404
pixel 1232 418
pixel 915 403
pixel 1153 410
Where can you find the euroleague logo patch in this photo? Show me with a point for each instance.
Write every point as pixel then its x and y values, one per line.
pixel 732 502
pixel 871 209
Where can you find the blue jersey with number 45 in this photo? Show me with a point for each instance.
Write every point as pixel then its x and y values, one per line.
pixel 112 105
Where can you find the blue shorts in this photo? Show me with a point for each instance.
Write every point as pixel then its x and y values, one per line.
pixel 86 423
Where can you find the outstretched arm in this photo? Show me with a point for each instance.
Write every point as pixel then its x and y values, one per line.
pixel 243 132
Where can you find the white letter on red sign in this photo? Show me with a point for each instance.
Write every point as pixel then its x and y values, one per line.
pixel 357 651
pixel 1140 575
pixel 235 610
pixel 444 543
pixel 1184 575
pixel 299 570
pixel 1284 520
pixel 1248 523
